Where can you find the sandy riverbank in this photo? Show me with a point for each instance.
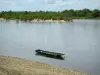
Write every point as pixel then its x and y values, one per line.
pixel 39 20
pixel 18 66
pixel 2 19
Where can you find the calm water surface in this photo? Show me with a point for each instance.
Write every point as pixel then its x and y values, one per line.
pixel 80 40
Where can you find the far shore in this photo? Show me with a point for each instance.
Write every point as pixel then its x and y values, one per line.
pixel 2 19
pixel 39 20
pixel 18 66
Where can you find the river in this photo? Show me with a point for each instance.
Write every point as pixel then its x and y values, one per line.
pixel 79 40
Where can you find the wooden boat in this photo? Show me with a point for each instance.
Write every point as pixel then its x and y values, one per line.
pixel 49 54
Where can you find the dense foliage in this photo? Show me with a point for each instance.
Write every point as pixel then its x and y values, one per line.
pixel 44 15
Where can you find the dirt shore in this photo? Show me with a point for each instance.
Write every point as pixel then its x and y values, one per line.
pixel 2 19
pixel 39 20
pixel 18 66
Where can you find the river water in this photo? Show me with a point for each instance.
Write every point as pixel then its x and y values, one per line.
pixel 79 40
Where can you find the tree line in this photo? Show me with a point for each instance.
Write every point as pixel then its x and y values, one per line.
pixel 45 15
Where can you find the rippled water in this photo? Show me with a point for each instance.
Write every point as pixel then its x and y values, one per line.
pixel 79 39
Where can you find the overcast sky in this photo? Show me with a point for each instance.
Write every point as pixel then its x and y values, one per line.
pixel 47 5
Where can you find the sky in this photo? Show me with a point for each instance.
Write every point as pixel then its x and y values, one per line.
pixel 47 5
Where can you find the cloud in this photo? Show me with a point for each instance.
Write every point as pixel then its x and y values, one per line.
pixel 52 5
pixel 55 1
pixel 49 1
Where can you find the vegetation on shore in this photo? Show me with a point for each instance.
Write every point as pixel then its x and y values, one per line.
pixel 65 15
pixel 18 66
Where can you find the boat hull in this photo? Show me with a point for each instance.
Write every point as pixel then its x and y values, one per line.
pixel 49 54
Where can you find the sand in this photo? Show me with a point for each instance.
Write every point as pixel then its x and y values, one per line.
pixel 18 66
pixel 2 19
pixel 39 20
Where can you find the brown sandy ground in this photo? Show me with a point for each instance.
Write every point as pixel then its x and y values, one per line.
pixel 17 66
